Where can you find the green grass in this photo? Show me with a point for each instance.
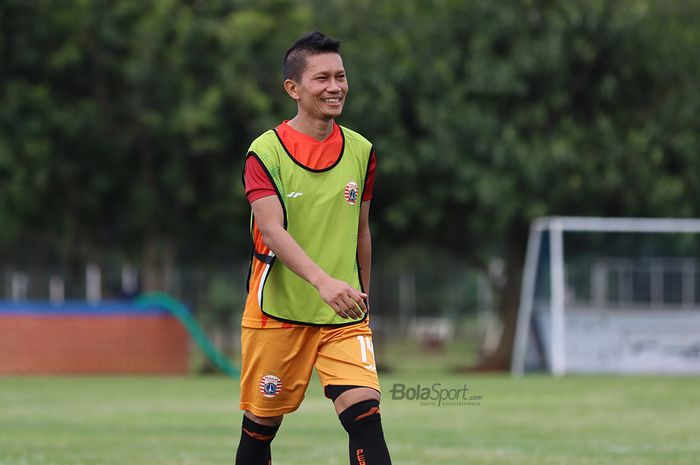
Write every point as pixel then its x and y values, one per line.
pixel 413 356
pixel 536 420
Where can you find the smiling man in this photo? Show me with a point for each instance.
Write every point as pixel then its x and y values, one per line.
pixel 309 183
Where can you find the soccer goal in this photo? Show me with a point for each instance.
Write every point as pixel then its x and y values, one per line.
pixel 610 295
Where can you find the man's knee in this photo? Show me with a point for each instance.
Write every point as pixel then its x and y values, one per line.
pixel 367 410
pixel 346 396
pixel 256 435
pixel 358 411
pixel 355 405
pixel 265 421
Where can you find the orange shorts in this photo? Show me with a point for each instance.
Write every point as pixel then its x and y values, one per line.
pixel 277 364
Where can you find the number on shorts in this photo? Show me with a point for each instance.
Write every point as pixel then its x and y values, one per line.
pixel 365 345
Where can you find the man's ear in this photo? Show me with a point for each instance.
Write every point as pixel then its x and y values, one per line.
pixel 291 87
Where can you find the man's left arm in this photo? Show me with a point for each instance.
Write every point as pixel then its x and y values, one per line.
pixel 364 247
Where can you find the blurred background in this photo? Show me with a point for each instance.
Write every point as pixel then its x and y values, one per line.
pixel 124 125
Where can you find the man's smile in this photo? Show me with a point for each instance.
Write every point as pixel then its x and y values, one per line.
pixel 332 100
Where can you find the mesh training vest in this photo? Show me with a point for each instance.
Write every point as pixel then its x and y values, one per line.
pixel 321 212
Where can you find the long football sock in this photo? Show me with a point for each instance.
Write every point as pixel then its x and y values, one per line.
pixel 254 448
pixel 364 426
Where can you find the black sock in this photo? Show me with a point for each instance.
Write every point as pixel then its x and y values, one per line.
pixel 254 448
pixel 364 426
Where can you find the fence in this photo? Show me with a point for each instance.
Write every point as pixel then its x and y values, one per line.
pixel 408 300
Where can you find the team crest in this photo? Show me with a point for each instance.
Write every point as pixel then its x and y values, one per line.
pixel 351 193
pixel 270 385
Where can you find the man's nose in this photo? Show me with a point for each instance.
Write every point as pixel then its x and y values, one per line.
pixel 333 86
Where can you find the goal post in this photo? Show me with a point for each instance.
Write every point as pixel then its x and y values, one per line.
pixel 610 295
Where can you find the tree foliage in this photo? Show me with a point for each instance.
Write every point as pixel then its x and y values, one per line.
pixel 125 123
pixel 490 114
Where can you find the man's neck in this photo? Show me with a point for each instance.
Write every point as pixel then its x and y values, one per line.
pixel 318 129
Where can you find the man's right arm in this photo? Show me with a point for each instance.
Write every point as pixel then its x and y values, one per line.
pixel 339 295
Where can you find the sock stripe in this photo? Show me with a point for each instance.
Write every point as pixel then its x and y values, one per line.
pixel 369 412
pixel 258 436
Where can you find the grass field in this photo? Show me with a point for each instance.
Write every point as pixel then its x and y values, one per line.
pixel 536 420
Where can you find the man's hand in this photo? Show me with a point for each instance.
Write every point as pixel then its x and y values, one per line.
pixel 347 301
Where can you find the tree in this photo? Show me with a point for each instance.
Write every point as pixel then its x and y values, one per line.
pixel 125 124
pixel 488 115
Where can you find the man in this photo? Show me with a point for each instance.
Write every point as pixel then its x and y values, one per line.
pixel 309 182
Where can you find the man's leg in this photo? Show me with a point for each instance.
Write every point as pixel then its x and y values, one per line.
pixel 358 410
pixel 256 435
pixel 272 385
pixel 348 372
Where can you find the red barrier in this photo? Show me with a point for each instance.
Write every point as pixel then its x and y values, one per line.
pixel 92 344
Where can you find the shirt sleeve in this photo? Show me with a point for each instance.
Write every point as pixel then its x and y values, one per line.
pixel 257 183
pixel 369 181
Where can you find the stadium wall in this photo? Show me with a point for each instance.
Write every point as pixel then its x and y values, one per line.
pixel 38 338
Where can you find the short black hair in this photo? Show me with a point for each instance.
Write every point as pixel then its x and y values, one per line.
pixel 311 43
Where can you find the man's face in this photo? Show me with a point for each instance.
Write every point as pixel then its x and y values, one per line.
pixel 323 87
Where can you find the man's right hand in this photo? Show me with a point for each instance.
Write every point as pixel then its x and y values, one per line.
pixel 347 301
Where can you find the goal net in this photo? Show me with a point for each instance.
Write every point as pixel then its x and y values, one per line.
pixel 610 295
